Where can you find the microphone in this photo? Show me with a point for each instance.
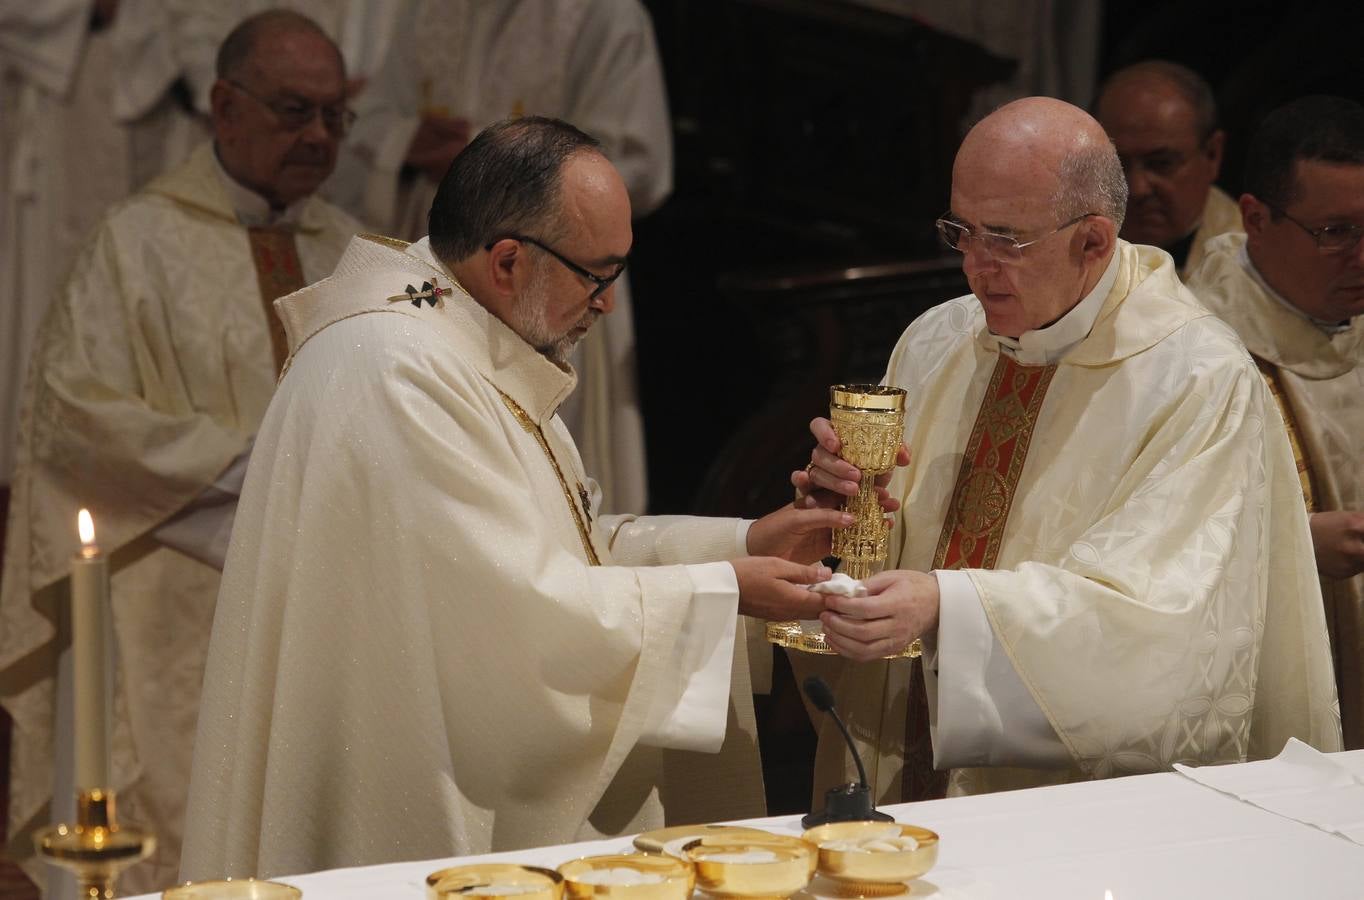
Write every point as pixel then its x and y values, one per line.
pixel 849 802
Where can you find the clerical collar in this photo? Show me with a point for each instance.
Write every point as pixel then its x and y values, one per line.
pixel 1045 346
pixel 253 210
pixel 1243 257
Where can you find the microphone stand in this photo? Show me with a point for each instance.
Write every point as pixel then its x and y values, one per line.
pixel 849 802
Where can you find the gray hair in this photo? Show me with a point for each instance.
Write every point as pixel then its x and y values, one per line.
pixel 1091 181
pixel 234 55
pixel 507 181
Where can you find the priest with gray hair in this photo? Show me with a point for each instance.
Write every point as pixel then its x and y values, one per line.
pixel 1101 538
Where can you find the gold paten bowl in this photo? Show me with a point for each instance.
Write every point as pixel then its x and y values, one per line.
pixel 663 878
pixel 670 839
pixel 495 880
pixel 872 873
pixel 233 889
pixel 780 865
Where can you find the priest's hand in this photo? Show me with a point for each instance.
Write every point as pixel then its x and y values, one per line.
pixel 800 535
pixel 829 478
pixel 771 588
pixel 1338 538
pixel 900 606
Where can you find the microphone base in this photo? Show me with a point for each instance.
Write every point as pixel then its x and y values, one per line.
pixel 847 803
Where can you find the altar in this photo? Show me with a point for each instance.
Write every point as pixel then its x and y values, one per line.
pixel 1146 836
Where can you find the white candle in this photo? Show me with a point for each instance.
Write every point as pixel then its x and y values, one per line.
pixel 90 658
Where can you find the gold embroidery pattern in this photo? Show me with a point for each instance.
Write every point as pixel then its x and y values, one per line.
pixel 534 431
pixel 392 243
pixel 1305 475
pixel 991 466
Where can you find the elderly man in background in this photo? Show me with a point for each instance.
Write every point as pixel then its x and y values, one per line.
pixel 1162 118
pixel 429 641
pixel 151 374
pixel 1102 539
pixel 593 63
pixel 1293 288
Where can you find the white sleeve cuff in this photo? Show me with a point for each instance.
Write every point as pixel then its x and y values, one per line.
pixel 692 714
pixel 203 529
pixel 741 539
pixel 985 715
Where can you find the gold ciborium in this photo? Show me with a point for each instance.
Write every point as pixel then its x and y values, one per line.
pixel 97 848
pixel 869 420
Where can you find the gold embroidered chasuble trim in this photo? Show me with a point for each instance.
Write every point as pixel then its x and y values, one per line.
pixel 1300 457
pixel 973 529
pixel 990 468
pixel 534 430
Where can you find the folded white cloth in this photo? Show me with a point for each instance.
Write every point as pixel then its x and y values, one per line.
pixel 1300 784
pixel 843 585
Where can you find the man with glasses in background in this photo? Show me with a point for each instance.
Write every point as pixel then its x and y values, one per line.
pixel 150 376
pixel 1099 536
pixel 1293 288
pixel 1162 119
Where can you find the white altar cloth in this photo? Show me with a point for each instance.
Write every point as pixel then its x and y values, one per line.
pixel 1146 836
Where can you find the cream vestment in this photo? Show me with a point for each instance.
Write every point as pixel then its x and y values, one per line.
pixel 1319 377
pixel 1221 215
pixel 416 653
pixel 1153 590
pixel 86 118
pixel 150 375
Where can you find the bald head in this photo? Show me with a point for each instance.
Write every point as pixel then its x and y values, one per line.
pixel 1162 118
pixel 1057 148
pixel 1041 176
pixel 241 52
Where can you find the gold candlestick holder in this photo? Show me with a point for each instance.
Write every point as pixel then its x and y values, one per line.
pixel 97 848
pixel 869 420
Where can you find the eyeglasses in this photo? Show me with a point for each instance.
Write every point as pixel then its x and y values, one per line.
pixel 295 115
pixel 1329 238
pixel 997 246
pixel 601 281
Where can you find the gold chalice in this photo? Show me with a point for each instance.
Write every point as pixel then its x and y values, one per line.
pixel 873 859
pixel 869 420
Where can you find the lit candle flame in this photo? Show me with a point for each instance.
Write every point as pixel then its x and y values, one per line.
pixel 86 526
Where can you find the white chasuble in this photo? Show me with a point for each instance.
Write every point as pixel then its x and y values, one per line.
pixel 1221 215
pixel 1153 589
pixel 1320 380
pixel 151 373
pixel 415 655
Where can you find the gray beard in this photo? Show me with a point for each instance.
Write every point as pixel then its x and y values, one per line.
pixel 529 321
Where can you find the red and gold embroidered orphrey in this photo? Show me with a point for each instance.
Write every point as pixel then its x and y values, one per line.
pixel 973 530
pixel 991 466
pixel 278 273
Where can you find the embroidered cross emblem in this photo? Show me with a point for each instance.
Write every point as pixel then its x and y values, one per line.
pixel 431 292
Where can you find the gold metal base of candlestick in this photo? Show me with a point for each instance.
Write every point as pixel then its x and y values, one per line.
pixel 97 848
pixel 791 636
